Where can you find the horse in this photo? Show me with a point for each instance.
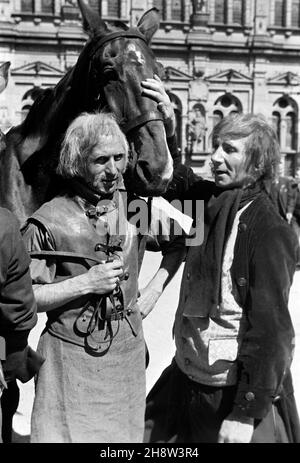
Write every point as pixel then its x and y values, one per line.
pixel 107 76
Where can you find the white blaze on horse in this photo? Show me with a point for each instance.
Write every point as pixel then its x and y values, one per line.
pixel 108 74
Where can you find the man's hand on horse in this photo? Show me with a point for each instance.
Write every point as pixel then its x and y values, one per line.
pixel 154 89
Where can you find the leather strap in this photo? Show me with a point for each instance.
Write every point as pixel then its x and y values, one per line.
pixel 116 35
pixel 141 120
pixel 64 254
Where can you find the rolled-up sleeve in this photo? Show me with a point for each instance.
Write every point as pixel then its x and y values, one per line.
pixel 37 239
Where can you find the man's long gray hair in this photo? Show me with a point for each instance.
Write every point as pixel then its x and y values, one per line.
pixel 83 134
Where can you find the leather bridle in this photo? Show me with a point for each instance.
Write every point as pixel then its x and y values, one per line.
pixel 144 117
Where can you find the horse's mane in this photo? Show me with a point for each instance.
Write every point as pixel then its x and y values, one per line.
pixel 46 107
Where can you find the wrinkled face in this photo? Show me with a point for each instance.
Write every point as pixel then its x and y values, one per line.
pixel 229 162
pixel 105 166
pixel 124 63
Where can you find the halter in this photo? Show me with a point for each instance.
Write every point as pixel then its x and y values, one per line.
pixel 146 116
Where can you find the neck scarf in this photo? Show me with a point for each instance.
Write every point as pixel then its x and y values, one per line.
pixel 218 221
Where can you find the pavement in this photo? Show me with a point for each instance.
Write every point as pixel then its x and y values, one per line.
pixel 158 335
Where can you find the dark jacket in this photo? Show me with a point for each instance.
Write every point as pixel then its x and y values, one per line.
pixel 283 193
pixel 265 256
pixel 17 304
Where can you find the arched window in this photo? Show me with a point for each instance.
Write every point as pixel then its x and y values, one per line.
pixel 176 10
pixel 220 11
pixel 177 106
pixel 279 13
pixel 27 6
pixel 285 110
pixel 276 123
pixel 290 131
pixel 228 104
pixel 47 6
pixel 295 22
pixel 217 117
pixel 114 8
pixel 28 99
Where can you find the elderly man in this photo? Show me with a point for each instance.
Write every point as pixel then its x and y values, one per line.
pixel 230 379
pixel 86 253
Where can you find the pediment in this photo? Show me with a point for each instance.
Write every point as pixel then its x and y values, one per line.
pixel 230 75
pixel 174 74
pixel 37 68
pixel 287 78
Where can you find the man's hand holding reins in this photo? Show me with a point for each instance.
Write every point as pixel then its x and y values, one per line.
pixel 103 278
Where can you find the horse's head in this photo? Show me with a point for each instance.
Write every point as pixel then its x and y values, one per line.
pixel 119 59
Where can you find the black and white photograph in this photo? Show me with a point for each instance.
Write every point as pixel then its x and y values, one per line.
pixel 149 225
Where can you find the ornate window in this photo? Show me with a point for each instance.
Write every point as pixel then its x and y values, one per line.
pixel 238 11
pixel 276 120
pixel 285 116
pixel 220 11
pixel 279 13
pixel 227 104
pixel 47 6
pixel 290 131
pixel 295 22
pixel 217 117
pixel 34 7
pixel 114 8
pixel 27 6
pixel 177 106
pixel 176 10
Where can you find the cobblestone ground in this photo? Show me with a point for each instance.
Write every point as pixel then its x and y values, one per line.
pixel 158 334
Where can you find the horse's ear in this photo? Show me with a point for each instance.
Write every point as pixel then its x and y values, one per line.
pixel 92 23
pixel 149 23
pixel 4 75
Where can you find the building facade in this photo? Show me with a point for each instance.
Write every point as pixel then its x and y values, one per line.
pixel 220 57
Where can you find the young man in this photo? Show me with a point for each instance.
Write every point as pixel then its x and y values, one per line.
pixel 230 380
